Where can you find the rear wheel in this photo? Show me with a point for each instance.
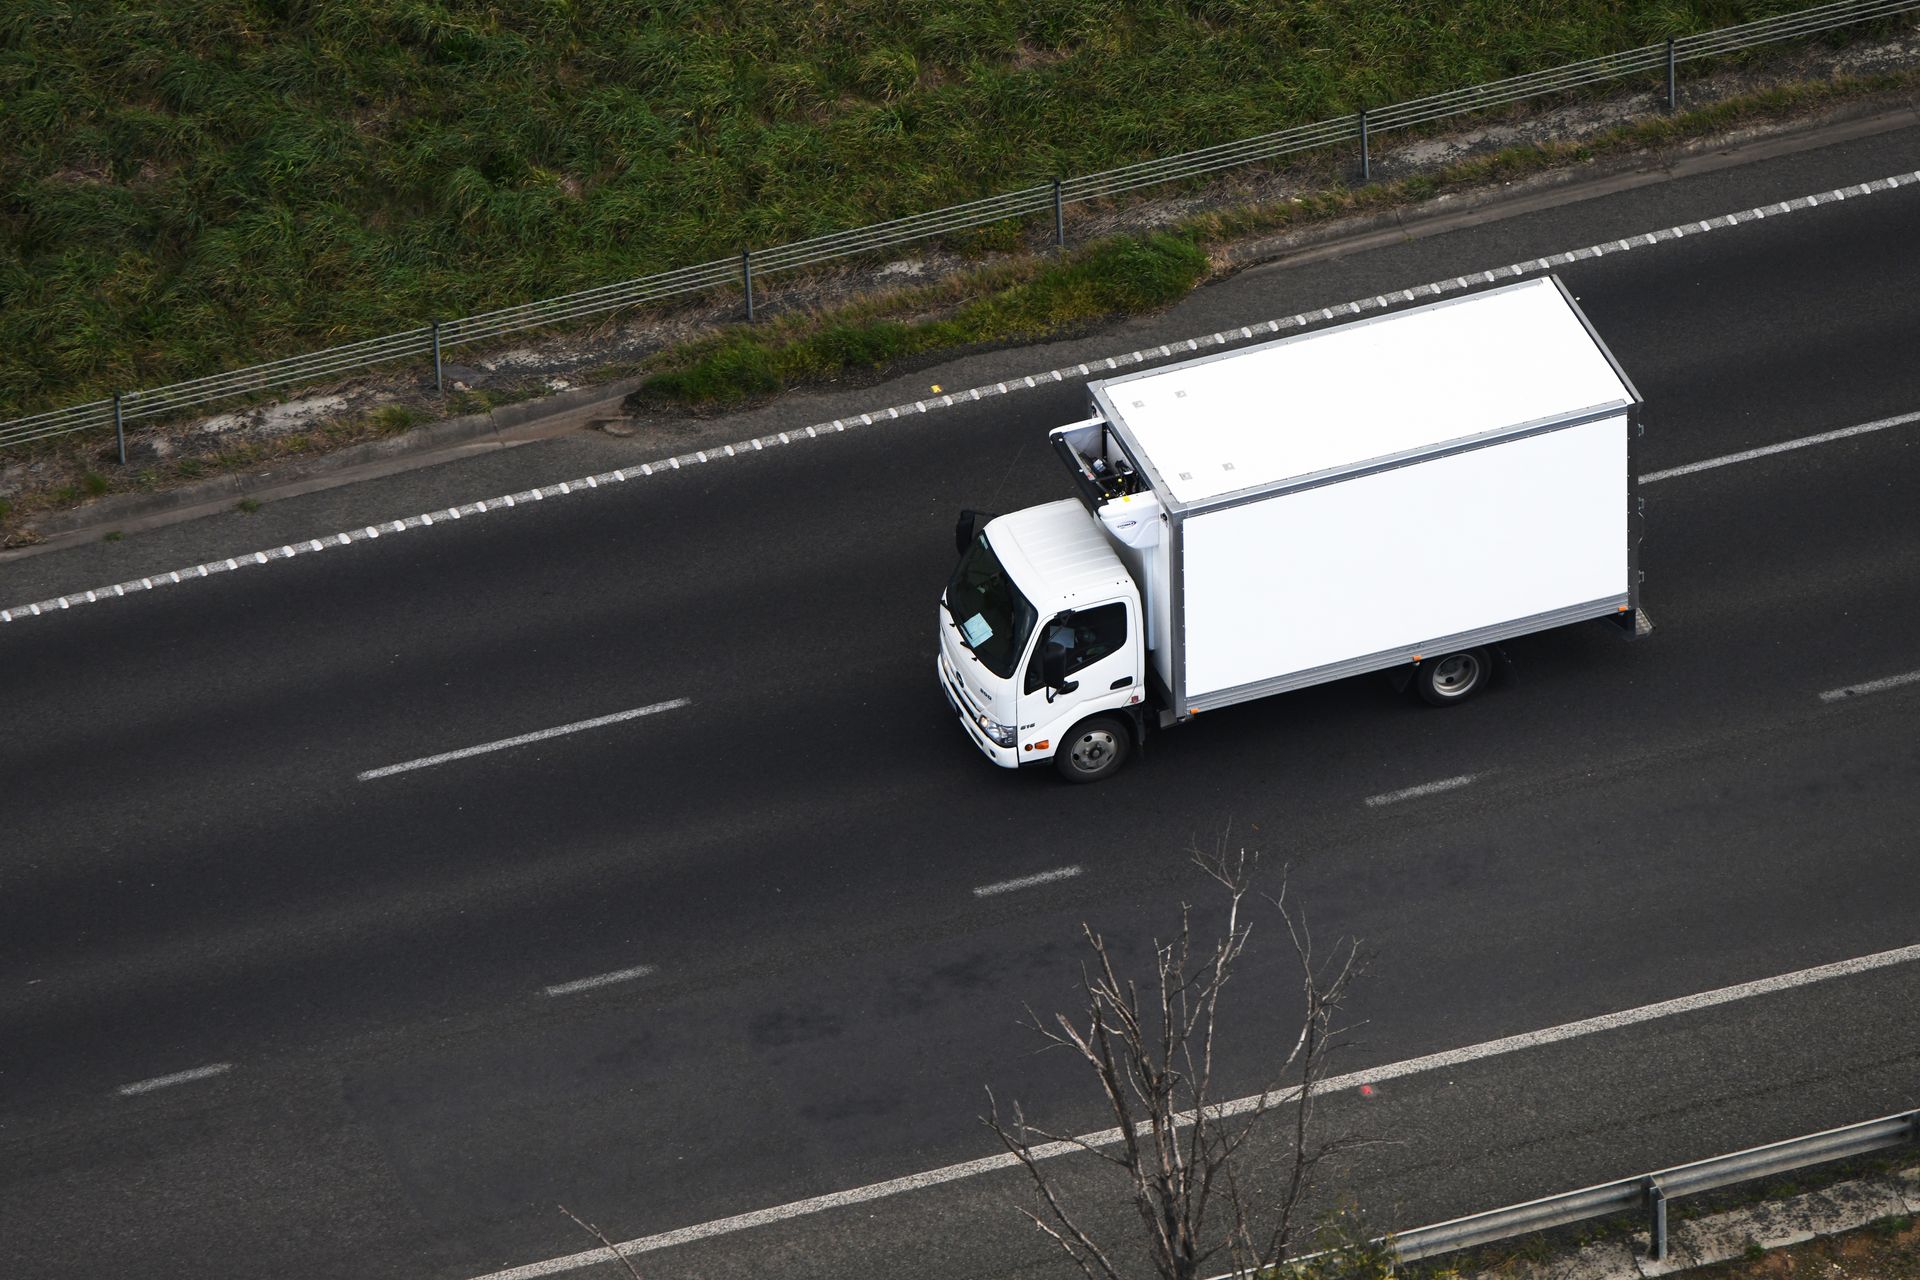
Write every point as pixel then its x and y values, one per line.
pixel 1093 749
pixel 1453 678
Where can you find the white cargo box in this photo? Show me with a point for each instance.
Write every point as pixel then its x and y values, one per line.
pixel 1355 498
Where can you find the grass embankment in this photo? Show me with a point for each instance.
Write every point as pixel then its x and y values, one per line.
pixel 1027 300
pixel 203 184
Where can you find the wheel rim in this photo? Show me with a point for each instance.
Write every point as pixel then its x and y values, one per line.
pixel 1456 675
pixel 1093 751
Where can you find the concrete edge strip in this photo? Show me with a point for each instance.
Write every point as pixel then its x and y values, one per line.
pixel 1723 1237
pixel 1242 1106
pixel 679 462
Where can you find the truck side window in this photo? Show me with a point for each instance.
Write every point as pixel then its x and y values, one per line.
pixel 1084 636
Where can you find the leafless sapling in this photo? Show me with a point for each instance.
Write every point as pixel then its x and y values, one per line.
pixel 1212 1182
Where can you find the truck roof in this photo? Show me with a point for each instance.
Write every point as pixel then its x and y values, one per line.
pixel 1336 399
pixel 1057 545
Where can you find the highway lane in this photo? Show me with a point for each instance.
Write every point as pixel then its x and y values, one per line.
pixel 294 912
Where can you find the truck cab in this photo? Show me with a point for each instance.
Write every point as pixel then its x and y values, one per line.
pixel 1042 644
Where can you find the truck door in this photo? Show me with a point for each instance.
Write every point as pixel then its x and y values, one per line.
pixel 1094 658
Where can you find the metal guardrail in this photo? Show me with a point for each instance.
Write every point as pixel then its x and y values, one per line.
pixel 1650 1192
pixel 433 339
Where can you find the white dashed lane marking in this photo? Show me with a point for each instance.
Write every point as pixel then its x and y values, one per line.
pixel 178 1077
pixel 1424 789
pixel 1871 686
pixel 1785 446
pixel 600 980
pixel 523 739
pixel 1027 882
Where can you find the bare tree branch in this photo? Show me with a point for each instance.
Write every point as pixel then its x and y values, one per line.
pixel 622 1258
pixel 1185 1157
pixel 1077 1244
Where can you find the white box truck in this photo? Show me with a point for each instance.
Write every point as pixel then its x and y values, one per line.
pixel 1391 494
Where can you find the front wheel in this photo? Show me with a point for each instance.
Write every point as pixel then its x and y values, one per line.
pixel 1093 749
pixel 1453 678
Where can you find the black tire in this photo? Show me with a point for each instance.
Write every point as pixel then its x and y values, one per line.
pixel 1453 677
pixel 1093 749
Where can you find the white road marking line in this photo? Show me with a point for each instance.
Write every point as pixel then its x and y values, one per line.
pixel 1424 789
pixel 1027 882
pixel 178 1077
pixel 523 739
pixel 1241 1106
pixel 1786 446
pixel 1436 288
pixel 600 980
pixel 1871 686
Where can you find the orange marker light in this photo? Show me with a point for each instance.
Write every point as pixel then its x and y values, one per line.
pixel 1040 745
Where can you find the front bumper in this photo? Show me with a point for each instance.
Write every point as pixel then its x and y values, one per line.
pixel 1005 757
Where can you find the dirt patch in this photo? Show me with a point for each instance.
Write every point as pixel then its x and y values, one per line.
pixel 1884 1251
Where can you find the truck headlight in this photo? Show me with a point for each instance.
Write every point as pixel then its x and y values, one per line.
pixel 1002 734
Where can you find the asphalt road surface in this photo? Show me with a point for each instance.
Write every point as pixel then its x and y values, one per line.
pixel 268 1010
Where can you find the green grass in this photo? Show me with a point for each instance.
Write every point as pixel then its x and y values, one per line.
pixel 198 185
pixel 392 419
pixel 1121 276
pixel 1028 300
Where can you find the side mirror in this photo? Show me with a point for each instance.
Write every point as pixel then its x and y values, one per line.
pixel 1053 670
pixel 967 528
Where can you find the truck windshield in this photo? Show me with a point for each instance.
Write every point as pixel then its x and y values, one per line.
pixel 994 618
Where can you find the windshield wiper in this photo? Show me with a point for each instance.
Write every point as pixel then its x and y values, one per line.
pixel 954 622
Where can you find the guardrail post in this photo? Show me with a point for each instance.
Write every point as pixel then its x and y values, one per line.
pixel 119 429
pixel 746 278
pixel 1656 1221
pixel 439 386
pixel 1366 163
pixel 1059 218
pixel 1673 100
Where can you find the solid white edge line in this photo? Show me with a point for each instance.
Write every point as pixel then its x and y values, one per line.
pixel 1424 789
pixel 522 740
pixel 600 980
pixel 1028 882
pixel 1785 446
pixel 1241 1106
pixel 1871 686
pixel 178 1077
pixel 1436 288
